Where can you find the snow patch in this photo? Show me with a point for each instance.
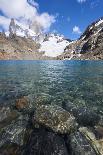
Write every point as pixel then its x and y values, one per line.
pixel 97 24
pixel 54 46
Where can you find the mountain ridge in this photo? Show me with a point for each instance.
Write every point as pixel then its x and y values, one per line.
pixel 23 43
pixel 89 46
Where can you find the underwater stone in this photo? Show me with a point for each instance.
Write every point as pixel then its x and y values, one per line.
pixel 14 132
pixel 22 103
pixel 4 112
pixel 79 145
pixel 97 144
pixel 55 118
pixel 83 115
pixel 43 142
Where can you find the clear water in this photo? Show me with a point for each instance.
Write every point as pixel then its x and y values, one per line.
pixel 80 82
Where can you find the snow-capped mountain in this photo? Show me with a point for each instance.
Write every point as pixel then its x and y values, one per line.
pixel 51 44
pixel 21 30
pixel 54 45
pixel 89 45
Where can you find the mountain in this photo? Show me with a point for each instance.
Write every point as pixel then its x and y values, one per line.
pixel 22 42
pixel 88 46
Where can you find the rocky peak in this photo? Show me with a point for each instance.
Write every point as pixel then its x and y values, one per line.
pixel 12 28
pixel 89 45
pixel 93 29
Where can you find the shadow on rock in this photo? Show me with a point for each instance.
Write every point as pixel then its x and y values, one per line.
pixel 44 142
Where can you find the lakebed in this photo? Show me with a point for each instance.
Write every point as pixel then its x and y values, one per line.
pixel 51 107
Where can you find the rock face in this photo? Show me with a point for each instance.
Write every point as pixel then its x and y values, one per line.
pixel 88 46
pixel 55 118
pixel 12 28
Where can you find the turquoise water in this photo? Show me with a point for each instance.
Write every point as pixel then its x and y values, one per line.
pixel 80 82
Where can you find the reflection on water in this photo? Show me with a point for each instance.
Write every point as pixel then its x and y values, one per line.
pixel 80 82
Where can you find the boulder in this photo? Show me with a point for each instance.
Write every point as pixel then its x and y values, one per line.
pixel 55 118
pixel 14 132
pixel 43 142
pixel 84 116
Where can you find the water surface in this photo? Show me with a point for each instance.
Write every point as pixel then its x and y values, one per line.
pixel 80 82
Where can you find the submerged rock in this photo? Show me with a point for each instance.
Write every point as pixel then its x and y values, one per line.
pixel 43 142
pixel 83 115
pixel 7 116
pixel 14 132
pixel 4 112
pixel 79 145
pixel 97 144
pixel 10 149
pixel 55 118
pixel 22 103
pixel 99 132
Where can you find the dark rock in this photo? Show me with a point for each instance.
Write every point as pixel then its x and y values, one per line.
pixel 10 149
pixel 83 115
pixel 80 146
pixel 7 116
pixel 97 144
pixel 99 132
pixel 4 112
pixel 14 132
pixel 43 142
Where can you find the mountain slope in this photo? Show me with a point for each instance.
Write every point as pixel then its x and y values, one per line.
pixel 89 45
pixel 19 48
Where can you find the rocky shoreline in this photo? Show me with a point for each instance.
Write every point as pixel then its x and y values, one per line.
pixel 34 127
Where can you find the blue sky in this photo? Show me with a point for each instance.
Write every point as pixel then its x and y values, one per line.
pixel 67 17
pixel 72 13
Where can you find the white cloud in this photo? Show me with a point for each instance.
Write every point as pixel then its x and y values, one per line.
pixel 81 1
pixel 24 11
pixel 4 22
pixel 76 30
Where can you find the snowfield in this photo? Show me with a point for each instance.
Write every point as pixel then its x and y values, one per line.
pixel 54 46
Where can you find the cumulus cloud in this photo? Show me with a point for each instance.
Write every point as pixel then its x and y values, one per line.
pixel 81 1
pixel 76 30
pixel 4 22
pixel 26 12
